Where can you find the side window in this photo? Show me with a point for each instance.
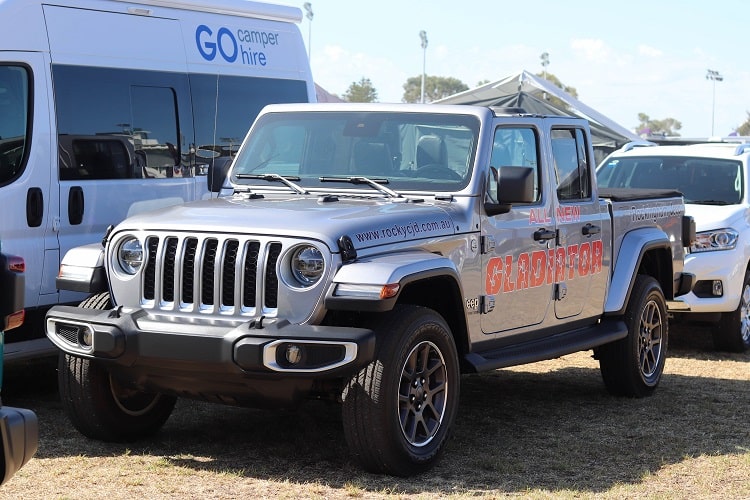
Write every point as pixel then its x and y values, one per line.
pixel 225 106
pixel 14 120
pixel 569 151
pixel 516 147
pixel 118 124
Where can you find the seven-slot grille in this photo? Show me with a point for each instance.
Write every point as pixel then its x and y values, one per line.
pixel 227 274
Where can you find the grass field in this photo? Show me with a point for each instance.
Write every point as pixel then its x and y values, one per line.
pixel 543 430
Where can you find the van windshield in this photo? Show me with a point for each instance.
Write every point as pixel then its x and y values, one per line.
pixel 14 110
pixel 406 151
pixel 706 181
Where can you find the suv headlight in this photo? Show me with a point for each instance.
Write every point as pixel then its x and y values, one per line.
pixel 307 265
pixel 718 239
pixel 130 255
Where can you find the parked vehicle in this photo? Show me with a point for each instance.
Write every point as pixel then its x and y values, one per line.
pixel 19 427
pixel 714 180
pixel 104 105
pixel 369 255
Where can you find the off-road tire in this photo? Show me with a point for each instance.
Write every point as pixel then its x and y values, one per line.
pixel 732 333
pixel 101 408
pixel 398 411
pixel 633 366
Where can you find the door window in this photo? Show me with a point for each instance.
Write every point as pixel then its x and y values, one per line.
pixel 14 120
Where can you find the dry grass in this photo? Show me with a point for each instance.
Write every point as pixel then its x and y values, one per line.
pixel 537 431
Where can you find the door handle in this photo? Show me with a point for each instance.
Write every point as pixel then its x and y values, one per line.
pixel 590 229
pixel 34 207
pixel 75 205
pixel 544 234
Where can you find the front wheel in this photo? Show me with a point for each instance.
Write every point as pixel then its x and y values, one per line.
pixel 99 406
pixel 732 334
pixel 634 365
pixel 398 411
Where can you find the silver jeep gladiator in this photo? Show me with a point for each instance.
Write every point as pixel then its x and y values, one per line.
pixel 370 255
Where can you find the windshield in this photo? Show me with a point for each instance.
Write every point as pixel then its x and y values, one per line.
pixel 406 151
pixel 707 181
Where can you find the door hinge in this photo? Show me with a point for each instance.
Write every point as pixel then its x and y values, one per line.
pixel 488 244
pixel 487 304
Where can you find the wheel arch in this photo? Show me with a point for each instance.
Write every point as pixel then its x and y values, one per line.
pixel 646 251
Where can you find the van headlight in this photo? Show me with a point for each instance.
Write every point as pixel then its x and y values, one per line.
pixel 719 239
pixel 307 265
pixel 130 255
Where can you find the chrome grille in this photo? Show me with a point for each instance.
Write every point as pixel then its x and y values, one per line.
pixel 210 274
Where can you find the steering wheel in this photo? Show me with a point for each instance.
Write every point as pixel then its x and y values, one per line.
pixel 437 171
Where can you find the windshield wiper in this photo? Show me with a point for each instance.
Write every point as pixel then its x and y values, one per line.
pixel 374 183
pixel 276 177
pixel 708 202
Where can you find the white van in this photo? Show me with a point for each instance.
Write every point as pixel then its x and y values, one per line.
pixel 103 106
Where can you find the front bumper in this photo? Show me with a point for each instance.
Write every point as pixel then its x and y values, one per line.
pixel 19 429
pixel 728 267
pixel 261 359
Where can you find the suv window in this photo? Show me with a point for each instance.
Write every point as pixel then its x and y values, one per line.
pixel 571 164
pixel 710 181
pixel 14 120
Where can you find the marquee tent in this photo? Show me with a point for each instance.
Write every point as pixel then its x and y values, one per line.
pixel 534 94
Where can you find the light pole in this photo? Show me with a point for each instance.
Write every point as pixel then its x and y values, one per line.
pixel 423 37
pixel 714 76
pixel 545 62
pixel 308 8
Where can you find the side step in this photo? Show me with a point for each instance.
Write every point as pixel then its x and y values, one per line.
pixel 550 347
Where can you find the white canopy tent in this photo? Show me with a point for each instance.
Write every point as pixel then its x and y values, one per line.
pixel 533 94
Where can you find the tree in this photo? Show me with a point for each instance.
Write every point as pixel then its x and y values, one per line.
pixel 361 91
pixel 744 129
pixel 435 87
pixel 665 127
pixel 557 83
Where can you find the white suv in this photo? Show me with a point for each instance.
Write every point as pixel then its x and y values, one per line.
pixel 713 178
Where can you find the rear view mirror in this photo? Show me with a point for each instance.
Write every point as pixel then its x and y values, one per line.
pixel 512 185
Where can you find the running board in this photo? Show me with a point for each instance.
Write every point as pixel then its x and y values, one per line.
pixel 550 347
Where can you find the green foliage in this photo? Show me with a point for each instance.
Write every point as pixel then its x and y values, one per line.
pixel 667 127
pixel 556 82
pixel 435 87
pixel 744 129
pixel 361 91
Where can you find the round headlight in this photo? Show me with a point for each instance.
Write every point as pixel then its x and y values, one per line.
pixel 130 255
pixel 307 265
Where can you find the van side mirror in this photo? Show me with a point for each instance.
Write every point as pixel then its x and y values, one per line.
pixel 513 185
pixel 218 168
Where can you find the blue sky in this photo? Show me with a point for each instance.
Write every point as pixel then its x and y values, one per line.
pixel 623 58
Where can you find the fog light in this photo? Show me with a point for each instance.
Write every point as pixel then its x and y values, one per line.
pixel 717 288
pixel 293 354
pixel 86 337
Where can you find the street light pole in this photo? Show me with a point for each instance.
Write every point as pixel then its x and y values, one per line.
pixel 423 37
pixel 714 76
pixel 545 62
pixel 308 8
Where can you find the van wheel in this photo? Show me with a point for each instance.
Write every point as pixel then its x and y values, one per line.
pixel 634 365
pixel 398 411
pixel 732 334
pixel 100 407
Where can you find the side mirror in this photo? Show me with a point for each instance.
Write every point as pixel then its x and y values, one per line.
pixel 513 185
pixel 218 168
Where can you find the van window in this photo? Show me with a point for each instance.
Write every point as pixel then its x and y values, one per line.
pixel 239 101
pixel 14 120
pixel 119 124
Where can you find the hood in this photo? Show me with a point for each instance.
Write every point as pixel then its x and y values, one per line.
pixel 709 217
pixel 368 222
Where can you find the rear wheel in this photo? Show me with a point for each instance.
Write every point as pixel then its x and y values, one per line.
pixel 99 406
pixel 732 333
pixel 634 365
pixel 398 411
